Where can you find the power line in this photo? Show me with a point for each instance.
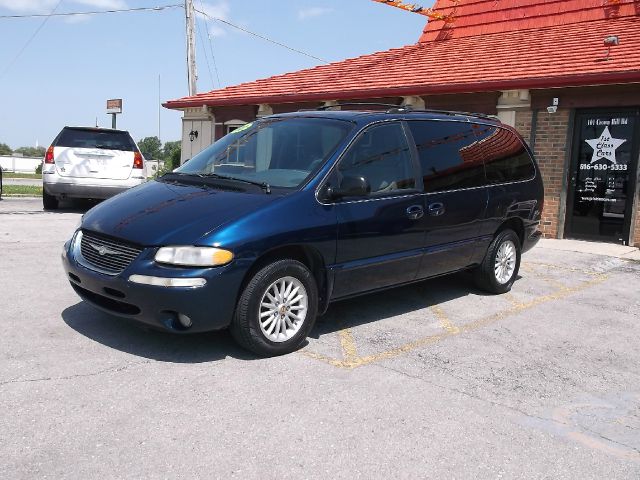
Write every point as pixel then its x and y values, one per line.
pixel 24 47
pixel 93 12
pixel 213 57
pixel 206 57
pixel 261 36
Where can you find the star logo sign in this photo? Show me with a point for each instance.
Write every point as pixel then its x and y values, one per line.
pixel 605 146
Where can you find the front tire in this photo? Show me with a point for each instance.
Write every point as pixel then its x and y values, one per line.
pixel 49 202
pixel 499 268
pixel 276 309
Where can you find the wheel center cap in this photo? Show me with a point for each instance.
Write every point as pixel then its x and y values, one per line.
pixel 282 310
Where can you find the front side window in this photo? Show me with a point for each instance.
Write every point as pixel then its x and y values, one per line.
pixel 381 156
pixel 282 152
pixel 446 153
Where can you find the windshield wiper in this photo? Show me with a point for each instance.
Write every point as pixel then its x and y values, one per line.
pixel 263 185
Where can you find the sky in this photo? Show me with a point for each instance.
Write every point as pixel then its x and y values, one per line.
pixel 66 72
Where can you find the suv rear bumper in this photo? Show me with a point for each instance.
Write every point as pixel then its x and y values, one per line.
pixel 96 190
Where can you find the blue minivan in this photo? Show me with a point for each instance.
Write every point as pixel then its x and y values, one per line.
pixel 263 229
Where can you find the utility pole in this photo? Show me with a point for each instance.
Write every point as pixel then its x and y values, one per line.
pixel 192 74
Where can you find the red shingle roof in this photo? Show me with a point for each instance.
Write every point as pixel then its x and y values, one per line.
pixel 480 17
pixel 568 54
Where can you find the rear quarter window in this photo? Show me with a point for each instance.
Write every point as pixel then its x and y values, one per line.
pixel 506 158
pixel 78 138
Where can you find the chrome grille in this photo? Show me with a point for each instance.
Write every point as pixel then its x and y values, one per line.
pixel 105 254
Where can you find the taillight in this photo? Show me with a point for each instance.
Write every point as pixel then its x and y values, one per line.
pixel 48 157
pixel 137 160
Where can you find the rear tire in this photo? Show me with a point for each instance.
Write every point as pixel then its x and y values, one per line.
pixel 499 268
pixel 277 309
pixel 49 202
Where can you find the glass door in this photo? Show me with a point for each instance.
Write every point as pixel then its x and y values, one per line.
pixel 603 172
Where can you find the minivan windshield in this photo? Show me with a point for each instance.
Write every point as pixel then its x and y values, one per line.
pixel 280 152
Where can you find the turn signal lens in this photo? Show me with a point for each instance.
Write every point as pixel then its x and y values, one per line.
pixel 137 160
pixel 194 256
pixel 48 157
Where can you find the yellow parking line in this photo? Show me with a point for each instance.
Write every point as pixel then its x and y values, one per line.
pixel 348 345
pixel 351 359
pixel 443 319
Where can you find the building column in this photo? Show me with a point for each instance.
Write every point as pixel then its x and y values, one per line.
pixel 198 131
pixel 510 102
pixel 264 110
pixel 414 102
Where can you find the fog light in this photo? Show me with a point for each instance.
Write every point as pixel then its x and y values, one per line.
pixel 184 320
pixel 167 282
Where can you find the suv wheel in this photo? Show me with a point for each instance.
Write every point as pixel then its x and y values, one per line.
pixel 277 309
pixel 501 263
pixel 49 202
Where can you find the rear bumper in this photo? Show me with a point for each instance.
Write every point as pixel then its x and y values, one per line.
pixel 210 307
pixel 531 237
pixel 97 190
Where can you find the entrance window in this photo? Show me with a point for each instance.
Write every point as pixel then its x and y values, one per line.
pixel 605 152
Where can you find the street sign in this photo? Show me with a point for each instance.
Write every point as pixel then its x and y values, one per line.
pixel 114 105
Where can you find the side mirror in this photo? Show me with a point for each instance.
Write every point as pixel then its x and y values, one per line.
pixel 351 186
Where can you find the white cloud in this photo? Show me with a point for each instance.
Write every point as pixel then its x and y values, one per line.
pixel 218 10
pixel 312 12
pixel 45 6
pixel 103 4
pixel 29 6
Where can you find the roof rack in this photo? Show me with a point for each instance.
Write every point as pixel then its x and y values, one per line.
pixel 361 104
pixel 392 108
pixel 451 112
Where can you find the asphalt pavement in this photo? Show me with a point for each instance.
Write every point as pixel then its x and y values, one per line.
pixel 434 380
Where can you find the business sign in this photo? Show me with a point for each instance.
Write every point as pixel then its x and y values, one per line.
pixel 114 105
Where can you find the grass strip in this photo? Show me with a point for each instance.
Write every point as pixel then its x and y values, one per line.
pixel 31 190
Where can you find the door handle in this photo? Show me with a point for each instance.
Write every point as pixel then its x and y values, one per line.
pixel 415 212
pixel 436 209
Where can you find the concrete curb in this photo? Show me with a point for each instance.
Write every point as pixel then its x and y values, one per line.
pixel 594 248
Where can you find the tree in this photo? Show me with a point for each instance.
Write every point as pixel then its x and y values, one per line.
pixel 31 151
pixel 5 149
pixel 151 148
pixel 171 154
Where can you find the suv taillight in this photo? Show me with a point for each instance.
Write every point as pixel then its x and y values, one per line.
pixel 137 160
pixel 48 157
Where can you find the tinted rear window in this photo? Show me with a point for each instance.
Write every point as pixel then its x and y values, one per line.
pixel 506 158
pixel 71 137
pixel 443 149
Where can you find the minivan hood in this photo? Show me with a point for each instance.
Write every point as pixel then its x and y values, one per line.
pixel 159 213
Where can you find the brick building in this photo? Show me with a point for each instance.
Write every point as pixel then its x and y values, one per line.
pixel 565 73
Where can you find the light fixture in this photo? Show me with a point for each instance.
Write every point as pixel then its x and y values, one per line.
pixel 610 41
pixel 193 134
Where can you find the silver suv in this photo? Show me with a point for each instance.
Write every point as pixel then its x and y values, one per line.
pixel 85 162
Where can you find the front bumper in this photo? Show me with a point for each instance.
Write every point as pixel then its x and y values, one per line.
pixel 210 307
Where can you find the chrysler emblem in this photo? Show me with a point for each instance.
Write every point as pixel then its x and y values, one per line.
pixel 102 250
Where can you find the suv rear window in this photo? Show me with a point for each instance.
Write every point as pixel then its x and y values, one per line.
pixel 108 140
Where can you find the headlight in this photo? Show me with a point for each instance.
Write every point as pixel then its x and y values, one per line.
pixel 194 256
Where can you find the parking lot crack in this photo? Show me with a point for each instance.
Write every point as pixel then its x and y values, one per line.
pixel 470 395
pixel 117 369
